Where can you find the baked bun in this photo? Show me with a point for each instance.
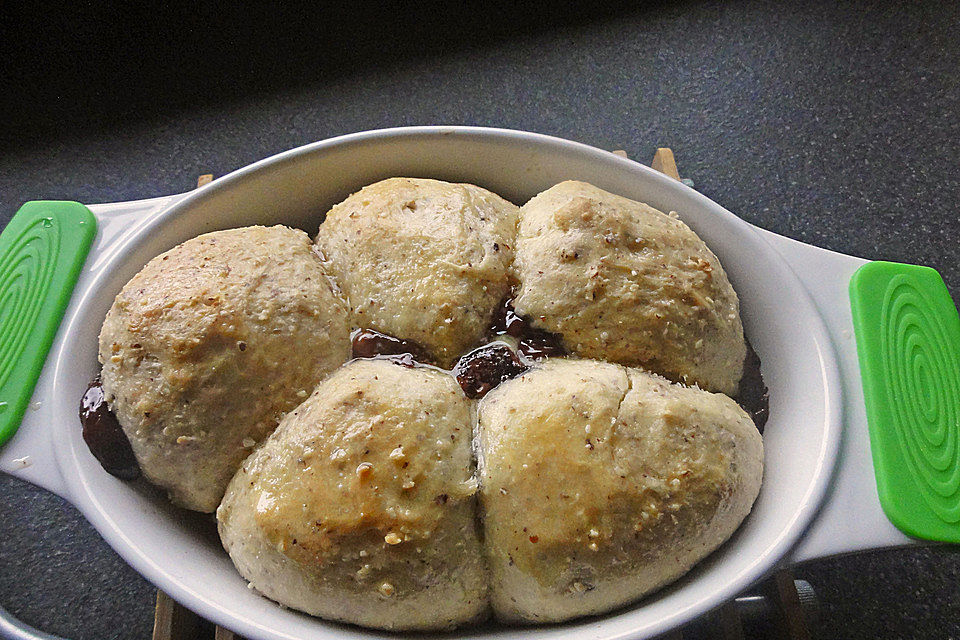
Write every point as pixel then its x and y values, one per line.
pixel 600 484
pixel 377 491
pixel 360 507
pixel 209 345
pixel 623 282
pixel 422 260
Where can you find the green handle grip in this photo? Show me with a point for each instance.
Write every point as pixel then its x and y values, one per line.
pixel 908 343
pixel 42 251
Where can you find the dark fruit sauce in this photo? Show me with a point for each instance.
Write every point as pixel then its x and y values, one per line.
pixel 483 369
pixel 368 343
pixel 104 436
pixel 753 395
pixel 533 343
pixel 537 344
pixel 505 320
pixel 477 372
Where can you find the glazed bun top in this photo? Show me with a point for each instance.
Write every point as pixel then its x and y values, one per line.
pixel 602 483
pixel 210 344
pixel 360 505
pixel 422 260
pixel 623 282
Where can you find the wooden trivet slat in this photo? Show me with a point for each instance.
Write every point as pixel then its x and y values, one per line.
pixel 790 620
pixel 225 634
pixel 172 621
pixel 730 626
pixel 664 162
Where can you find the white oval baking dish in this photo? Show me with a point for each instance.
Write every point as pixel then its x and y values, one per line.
pixel 818 496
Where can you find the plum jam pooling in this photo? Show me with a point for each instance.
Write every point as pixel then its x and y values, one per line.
pixel 104 435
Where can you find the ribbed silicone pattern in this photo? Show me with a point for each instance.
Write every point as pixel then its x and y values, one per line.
pixel 908 341
pixel 41 253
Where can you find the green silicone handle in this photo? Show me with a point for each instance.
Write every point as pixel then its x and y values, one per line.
pixel 908 343
pixel 41 253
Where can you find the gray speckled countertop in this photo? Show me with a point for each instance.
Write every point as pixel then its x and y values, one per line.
pixel 834 125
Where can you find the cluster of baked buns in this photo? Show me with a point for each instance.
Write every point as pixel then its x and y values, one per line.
pixel 542 427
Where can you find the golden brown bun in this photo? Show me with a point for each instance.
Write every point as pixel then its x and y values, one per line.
pixel 423 260
pixel 360 507
pixel 210 344
pixel 623 282
pixel 600 484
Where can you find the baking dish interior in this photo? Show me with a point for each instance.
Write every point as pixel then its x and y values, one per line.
pixel 179 551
